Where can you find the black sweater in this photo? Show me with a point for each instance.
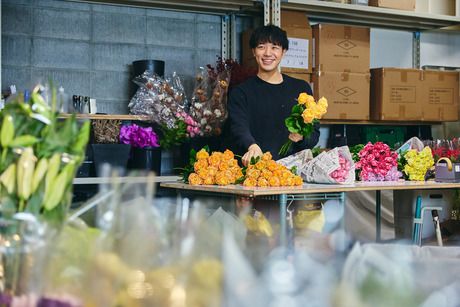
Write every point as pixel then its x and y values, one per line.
pixel 257 110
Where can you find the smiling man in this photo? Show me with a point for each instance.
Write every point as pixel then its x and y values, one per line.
pixel 258 107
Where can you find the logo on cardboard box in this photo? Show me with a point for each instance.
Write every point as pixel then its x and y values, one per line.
pixel 346 44
pixel 346 91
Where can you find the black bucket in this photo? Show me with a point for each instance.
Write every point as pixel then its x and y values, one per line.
pixel 156 66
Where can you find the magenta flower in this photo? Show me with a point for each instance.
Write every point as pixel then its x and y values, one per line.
pixel 378 163
pixel 137 136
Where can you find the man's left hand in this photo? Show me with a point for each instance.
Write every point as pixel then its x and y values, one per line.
pixel 295 137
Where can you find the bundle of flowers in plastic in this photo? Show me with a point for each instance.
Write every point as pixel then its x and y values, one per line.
pixel 418 163
pixel 445 149
pixel 209 101
pixel 148 253
pixel 159 98
pixel 378 163
pixel 333 166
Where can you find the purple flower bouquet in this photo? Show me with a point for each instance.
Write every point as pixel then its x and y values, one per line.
pixel 139 137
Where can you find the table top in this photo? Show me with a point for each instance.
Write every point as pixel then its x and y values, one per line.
pixel 311 188
pixel 130 179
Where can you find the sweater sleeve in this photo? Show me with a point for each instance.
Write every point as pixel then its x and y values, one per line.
pixel 239 119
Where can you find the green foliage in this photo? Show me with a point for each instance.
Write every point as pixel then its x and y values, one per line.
pixel 354 150
pixel 173 136
pixel 190 167
pixel 31 133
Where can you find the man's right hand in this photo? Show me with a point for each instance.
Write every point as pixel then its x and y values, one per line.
pixel 253 151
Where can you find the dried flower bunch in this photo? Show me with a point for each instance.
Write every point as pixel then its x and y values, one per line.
pixel 106 131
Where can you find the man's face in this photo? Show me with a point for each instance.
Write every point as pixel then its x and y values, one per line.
pixel 268 56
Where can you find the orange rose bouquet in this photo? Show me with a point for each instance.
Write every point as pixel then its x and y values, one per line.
pixel 303 116
pixel 219 168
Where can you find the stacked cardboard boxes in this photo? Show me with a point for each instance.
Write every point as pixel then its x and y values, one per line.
pixel 414 95
pixel 341 70
pixel 298 60
pixel 408 5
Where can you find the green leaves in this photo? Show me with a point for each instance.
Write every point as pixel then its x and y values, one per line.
pixel 173 136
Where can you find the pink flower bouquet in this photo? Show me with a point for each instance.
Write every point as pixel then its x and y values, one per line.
pixel 378 163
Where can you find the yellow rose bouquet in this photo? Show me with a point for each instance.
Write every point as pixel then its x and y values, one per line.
pixel 303 116
pixel 418 163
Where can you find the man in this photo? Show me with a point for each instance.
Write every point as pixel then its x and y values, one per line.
pixel 258 107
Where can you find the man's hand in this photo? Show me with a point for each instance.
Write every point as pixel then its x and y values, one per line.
pixel 253 151
pixel 295 137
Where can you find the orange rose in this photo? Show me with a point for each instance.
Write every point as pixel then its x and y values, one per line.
pixel 209 180
pixel 308 115
pixel 302 98
pixel 298 180
pixel 262 182
pixel 274 181
pixel 250 182
pixel 228 154
pixel 212 170
pixel 267 173
pixel 253 173
pixel 267 156
pixel 194 179
pixel 223 165
pixel 222 180
pixel 203 173
pixel 322 102
pixel 272 165
pixel 260 165
pixel 215 158
pixel 200 164
pixel 202 154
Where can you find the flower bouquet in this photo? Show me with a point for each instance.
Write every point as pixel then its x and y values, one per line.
pixel 303 116
pixel 418 163
pixel 333 166
pixel 377 163
pixel 209 101
pixel 265 172
pixel 139 137
pixel 145 151
pixel 40 155
pixel 216 168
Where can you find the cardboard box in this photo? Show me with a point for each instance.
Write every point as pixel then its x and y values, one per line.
pixel 440 95
pixel 396 94
pixel 408 5
pixel 341 48
pixel 442 7
pixel 298 58
pixel 305 77
pixel 347 94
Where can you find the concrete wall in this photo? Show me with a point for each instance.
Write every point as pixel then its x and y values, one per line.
pixel 89 48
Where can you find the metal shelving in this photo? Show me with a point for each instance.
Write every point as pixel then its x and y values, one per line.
pixel 218 7
pixel 353 14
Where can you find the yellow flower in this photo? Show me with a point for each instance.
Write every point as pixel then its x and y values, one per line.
pixel 322 102
pixel 260 165
pixel 267 156
pixel 200 164
pixel 228 154
pixel 249 182
pixel 274 181
pixel 311 102
pixel 253 173
pixel 308 115
pixel 209 180
pixel 212 170
pixel 298 180
pixel 202 154
pixel 262 182
pixel 302 99
pixel 194 179
pixel 203 173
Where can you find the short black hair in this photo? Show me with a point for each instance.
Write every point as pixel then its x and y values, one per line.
pixel 269 34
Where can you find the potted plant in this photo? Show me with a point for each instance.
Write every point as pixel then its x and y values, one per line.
pixel 145 147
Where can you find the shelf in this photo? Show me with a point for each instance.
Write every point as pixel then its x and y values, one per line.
pixel 218 7
pixel 108 180
pixel 109 116
pixel 352 14
pixel 376 122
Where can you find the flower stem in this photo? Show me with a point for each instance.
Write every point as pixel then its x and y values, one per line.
pixel 285 148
